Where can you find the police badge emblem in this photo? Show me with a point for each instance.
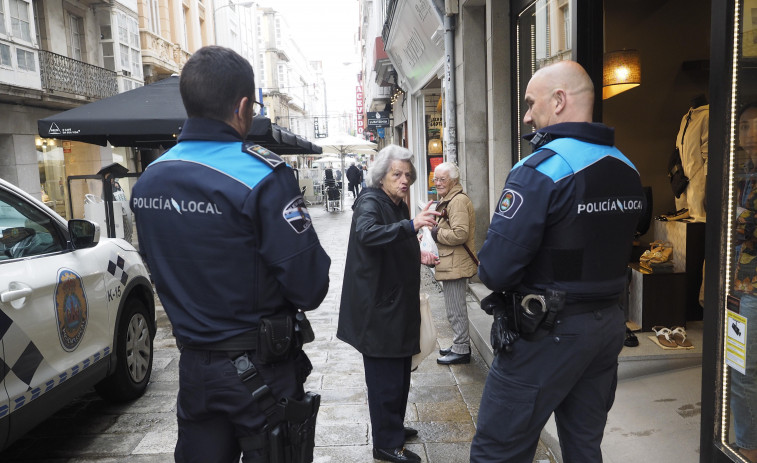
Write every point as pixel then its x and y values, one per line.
pixel 297 215
pixel 509 203
pixel 71 309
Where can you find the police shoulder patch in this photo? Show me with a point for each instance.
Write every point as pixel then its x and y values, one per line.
pixel 297 215
pixel 509 203
pixel 265 155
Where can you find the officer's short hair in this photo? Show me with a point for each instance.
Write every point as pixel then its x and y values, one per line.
pixel 383 162
pixel 213 81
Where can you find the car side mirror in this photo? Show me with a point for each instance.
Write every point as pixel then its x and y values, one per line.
pixel 84 233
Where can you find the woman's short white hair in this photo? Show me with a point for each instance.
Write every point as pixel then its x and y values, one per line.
pixel 383 162
pixel 450 168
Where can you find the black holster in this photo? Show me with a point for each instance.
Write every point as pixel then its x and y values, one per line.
pixel 293 440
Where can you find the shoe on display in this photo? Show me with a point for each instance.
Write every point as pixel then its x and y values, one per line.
pixel 453 359
pixel 398 455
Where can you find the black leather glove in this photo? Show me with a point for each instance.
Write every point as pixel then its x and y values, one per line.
pixel 434 232
pixel 493 300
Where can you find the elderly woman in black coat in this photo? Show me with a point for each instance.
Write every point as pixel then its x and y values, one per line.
pixel 380 306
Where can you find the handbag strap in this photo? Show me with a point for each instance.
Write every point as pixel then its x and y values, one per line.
pixel 465 246
pixel 472 256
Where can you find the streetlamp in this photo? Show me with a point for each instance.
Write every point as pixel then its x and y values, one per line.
pixel 229 4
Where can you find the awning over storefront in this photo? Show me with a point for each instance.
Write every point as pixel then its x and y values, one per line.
pixel 151 117
pixel 414 40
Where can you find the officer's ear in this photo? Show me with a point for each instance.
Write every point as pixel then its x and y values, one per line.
pixel 560 99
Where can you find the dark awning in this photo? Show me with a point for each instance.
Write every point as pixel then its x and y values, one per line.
pixel 151 117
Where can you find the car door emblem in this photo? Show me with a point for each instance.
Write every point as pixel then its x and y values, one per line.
pixel 70 309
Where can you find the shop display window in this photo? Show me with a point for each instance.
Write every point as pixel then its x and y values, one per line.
pixel 544 32
pixel 738 428
pixel 69 183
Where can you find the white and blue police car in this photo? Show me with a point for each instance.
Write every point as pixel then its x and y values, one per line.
pixel 76 311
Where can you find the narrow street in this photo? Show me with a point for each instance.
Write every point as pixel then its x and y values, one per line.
pixel 443 404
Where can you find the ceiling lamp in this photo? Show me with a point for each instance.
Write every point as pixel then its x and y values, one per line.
pixel 621 72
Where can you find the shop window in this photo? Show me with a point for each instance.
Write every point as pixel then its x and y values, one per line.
pixel 433 145
pixel 739 430
pixel 544 32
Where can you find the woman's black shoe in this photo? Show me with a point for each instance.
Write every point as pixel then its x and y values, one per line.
pixel 399 455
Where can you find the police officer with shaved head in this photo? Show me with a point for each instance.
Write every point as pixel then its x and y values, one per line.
pixel 555 256
pixel 236 263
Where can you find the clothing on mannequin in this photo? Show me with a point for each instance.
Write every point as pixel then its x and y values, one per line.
pixel 692 143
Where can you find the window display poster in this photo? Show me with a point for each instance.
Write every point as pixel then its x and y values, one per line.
pixel 735 347
pixel 749 35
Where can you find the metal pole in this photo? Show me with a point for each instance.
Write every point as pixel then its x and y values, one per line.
pixel 450 98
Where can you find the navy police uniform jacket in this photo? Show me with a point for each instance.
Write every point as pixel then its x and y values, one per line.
pixel 566 217
pixel 226 235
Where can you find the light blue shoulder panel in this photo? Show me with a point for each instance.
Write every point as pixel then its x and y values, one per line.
pixel 224 157
pixel 581 155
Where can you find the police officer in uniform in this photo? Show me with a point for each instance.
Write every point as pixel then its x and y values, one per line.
pixel 559 240
pixel 235 261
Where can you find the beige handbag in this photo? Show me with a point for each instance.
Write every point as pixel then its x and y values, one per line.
pixel 428 333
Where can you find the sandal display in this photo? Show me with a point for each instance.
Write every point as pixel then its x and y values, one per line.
pixel 663 336
pixel 678 335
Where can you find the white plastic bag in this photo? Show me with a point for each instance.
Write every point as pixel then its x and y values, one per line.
pixel 427 242
pixel 428 333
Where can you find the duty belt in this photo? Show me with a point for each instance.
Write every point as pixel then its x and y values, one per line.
pixel 241 342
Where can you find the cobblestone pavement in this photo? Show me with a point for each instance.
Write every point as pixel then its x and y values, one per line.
pixel 443 403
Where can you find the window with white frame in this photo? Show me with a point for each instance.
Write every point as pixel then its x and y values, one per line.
pixel 129 49
pixel 5 55
pixel 19 13
pixel 25 60
pixel 154 19
pixel 282 76
pixel 2 19
pixel 75 31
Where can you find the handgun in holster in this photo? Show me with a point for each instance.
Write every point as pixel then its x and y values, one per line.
pixel 289 433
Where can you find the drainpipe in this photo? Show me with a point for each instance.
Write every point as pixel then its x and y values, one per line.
pixel 446 10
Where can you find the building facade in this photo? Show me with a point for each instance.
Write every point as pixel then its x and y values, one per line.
pixel 56 55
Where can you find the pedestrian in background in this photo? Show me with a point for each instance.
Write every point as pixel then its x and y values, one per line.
pixel 455 239
pixel 551 237
pixel 231 247
pixel 353 179
pixel 379 313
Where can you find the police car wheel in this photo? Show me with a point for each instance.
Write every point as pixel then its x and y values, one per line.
pixel 134 353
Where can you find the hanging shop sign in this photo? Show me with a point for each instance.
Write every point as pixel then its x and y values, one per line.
pixel 378 119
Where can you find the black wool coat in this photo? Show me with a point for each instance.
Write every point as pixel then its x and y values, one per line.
pixel 380 306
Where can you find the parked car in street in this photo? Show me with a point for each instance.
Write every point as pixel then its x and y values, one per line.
pixel 76 311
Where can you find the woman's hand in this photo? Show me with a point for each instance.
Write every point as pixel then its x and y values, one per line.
pixel 428 258
pixel 425 218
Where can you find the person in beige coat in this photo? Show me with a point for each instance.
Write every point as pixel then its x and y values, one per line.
pixel 455 238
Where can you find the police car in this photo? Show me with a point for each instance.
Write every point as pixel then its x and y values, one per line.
pixel 76 311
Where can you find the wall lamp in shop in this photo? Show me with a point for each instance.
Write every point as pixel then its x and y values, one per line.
pixel 621 72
